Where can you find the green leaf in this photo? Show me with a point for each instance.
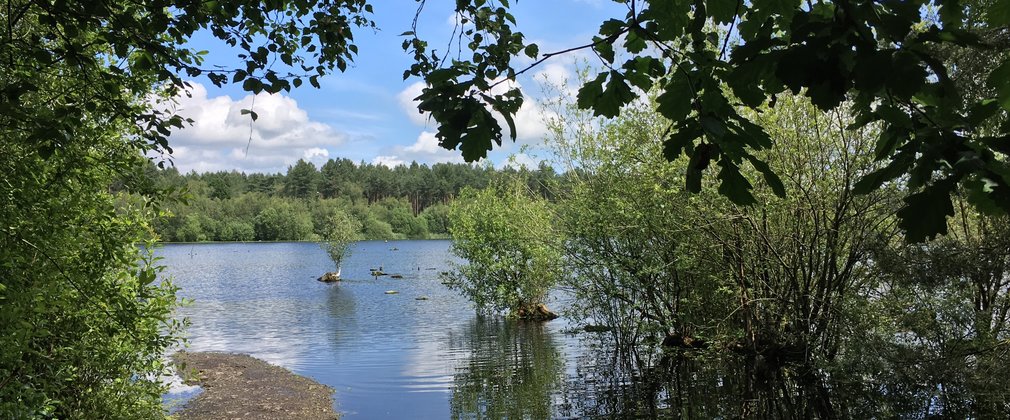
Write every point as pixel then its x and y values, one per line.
pixel 999 80
pixel 771 178
pixel 999 144
pixel 925 213
pixel 532 51
pixel 723 11
pixel 250 113
pixel 907 74
pixel 898 166
pixel 590 92
pixel 951 13
pixel 886 143
pixel 998 13
pixel 714 126
pixel 616 95
pixel 982 193
pixel 677 142
pixel 605 50
pixel 675 101
pixel 734 185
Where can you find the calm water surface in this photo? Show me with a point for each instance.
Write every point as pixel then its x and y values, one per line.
pixel 393 356
pixel 386 355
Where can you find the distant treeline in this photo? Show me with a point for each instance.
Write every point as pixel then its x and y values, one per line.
pixel 406 201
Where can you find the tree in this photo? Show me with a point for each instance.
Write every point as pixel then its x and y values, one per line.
pixel 283 221
pixel 302 180
pixel 84 323
pixel 343 230
pixel 881 56
pixel 512 251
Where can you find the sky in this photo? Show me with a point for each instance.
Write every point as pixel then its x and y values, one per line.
pixel 367 113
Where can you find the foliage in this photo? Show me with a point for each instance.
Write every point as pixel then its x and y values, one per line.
pixel 437 219
pixel 881 60
pixel 511 250
pixel 406 201
pixel 344 230
pixel 650 258
pixel 85 322
pixel 640 262
pixel 281 221
pixel 818 281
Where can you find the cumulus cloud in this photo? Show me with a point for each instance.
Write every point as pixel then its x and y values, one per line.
pixel 424 150
pixel 389 161
pixel 221 135
pixel 406 100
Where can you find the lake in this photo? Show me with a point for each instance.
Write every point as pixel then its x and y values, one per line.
pixel 394 356
pixel 386 355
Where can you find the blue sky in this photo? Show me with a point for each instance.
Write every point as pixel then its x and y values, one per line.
pixel 366 113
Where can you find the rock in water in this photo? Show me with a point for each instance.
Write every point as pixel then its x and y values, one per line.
pixel 330 277
pixel 421 298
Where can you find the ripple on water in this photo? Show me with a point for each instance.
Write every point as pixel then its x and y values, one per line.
pixel 432 357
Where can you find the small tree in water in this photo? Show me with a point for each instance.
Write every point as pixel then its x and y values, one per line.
pixel 343 229
pixel 513 254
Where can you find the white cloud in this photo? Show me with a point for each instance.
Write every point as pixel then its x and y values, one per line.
pixel 406 100
pixel 424 150
pixel 221 135
pixel 555 73
pixel 426 143
pixel 389 161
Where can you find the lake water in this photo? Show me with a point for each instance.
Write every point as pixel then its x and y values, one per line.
pixel 393 356
pixel 386 355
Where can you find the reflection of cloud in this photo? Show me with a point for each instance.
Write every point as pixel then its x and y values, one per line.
pixel 428 373
pixel 263 329
pixel 220 134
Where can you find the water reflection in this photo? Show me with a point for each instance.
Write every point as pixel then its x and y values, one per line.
pixel 712 385
pixel 512 370
pixel 435 359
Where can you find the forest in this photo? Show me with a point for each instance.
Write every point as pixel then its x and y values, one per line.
pixel 403 202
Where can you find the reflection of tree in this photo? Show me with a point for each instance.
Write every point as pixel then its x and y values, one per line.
pixel 689 385
pixel 340 304
pixel 512 371
pixel 697 385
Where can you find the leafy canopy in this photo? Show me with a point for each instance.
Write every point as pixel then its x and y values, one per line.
pixel 711 58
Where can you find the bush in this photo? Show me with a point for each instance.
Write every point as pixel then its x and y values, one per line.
pixel 513 252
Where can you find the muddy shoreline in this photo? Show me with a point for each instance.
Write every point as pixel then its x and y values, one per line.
pixel 238 386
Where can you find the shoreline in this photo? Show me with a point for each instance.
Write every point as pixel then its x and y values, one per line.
pixel 241 386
